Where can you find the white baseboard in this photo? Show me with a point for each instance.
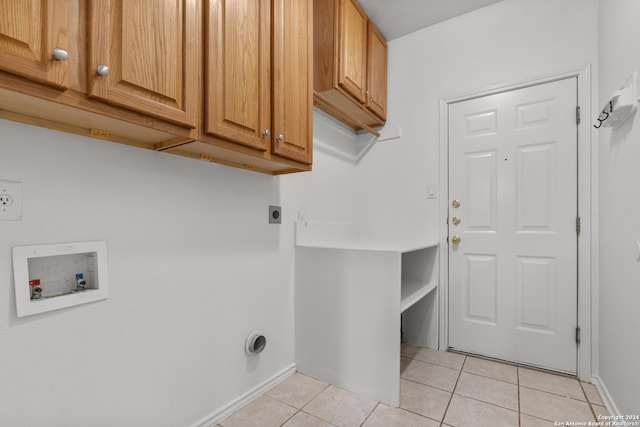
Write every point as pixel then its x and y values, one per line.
pixel 605 395
pixel 215 417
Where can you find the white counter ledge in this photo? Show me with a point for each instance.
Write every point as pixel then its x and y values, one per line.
pixel 400 246
pixel 350 297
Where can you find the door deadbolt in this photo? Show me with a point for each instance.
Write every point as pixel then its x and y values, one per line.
pixel 455 239
pixel 455 220
pixel 456 203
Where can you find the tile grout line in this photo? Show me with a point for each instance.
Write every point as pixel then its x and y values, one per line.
pixel 370 413
pixel 418 414
pixel 486 376
pixel 480 400
pixel 289 419
pixel 432 362
pixel 298 410
pixel 537 416
pixel 518 381
pixel 316 417
pixel 427 385
pixel 588 401
pixel 556 394
pixel 453 392
pixel 490 378
pixel 486 403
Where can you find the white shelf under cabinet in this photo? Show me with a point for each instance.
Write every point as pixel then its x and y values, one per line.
pixel 412 292
pixel 350 297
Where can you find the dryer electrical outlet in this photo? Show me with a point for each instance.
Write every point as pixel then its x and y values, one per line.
pixel 275 214
pixel 10 200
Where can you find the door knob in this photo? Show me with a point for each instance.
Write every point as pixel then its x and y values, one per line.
pixel 102 70
pixel 456 203
pixel 280 137
pixel 455 239
pixel 266 133
pixel 455 220
pixel 60 54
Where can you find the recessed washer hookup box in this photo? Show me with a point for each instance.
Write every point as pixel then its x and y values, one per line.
pixel 55 276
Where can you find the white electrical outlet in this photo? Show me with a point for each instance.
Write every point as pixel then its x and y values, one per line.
pixel 10 200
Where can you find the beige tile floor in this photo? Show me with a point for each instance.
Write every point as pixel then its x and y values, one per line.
pixel 436 389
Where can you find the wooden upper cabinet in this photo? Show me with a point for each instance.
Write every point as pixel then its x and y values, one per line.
pixel 144 56
pixel 228 81
pixel 293 79
pixel 30 30
pixel 238 71
pixel 352 64
pixel 258 76
pixel 376 99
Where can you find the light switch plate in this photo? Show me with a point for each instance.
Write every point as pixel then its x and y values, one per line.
pixel 10 200
pixel 431 192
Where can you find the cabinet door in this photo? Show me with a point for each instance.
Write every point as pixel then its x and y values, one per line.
pixel 238 71
pixel 377 72
pixel 150 49
pixel 352 40
pixel 293 79
pixel 30 30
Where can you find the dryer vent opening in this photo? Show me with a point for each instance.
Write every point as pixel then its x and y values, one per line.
pixel 256 343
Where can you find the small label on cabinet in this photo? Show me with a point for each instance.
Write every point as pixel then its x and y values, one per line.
pixel 99 133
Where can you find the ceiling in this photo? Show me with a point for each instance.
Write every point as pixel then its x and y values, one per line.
pixel 396 18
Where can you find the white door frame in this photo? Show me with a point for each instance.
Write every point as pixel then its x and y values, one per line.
pixel 586 210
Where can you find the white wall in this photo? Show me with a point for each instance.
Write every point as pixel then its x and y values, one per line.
pixel 619 37
pixel 194 267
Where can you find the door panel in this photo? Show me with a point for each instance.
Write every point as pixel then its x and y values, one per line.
pixel 29 31
pixel 238 71
pixel 536 294
pixel 512 277
pixel 353 49
pixel 376 99
pixel 293 79
pixel 480 289
pixel 534 187
pixel 151 50
pixel 482 187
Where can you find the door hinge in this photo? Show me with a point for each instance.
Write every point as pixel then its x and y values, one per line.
pixel 578 225
pixel 578 334
pixel 578 115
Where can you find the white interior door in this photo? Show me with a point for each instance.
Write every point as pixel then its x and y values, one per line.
pixel 513 274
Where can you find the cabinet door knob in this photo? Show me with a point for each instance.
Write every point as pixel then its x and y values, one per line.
pixel 455 239
pixel 266 133
pixel 280 137
pixel 59 54
pixel 102 70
